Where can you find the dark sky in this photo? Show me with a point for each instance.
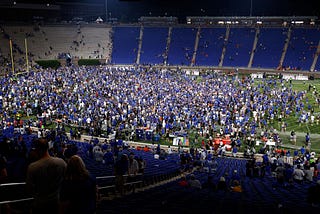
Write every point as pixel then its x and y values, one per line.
pixel 182 8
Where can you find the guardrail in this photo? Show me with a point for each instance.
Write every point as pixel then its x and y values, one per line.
pixel 15 201
pixel 113 186
pixel 12 184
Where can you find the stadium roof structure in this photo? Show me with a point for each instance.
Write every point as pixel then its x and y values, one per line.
pixel 158 20
pixel 253 20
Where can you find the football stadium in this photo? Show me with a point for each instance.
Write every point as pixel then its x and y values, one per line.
pixel 149 106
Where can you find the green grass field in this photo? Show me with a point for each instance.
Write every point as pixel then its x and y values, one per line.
pixel 292 120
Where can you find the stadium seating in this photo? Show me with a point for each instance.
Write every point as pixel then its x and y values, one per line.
pixel 17 35
pixel 269 48
pixel 153 45
pixel 262 194
pixel 155 170
pixel 47 42
pixel 120 44
pixel 182 46
pixel 97 43
pixel 210 46
pixel 61 39
pixel 302 47
pixel 239 47
pixel 259 195
pixel 125 45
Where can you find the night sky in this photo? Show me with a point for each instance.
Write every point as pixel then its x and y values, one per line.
pixel 182 8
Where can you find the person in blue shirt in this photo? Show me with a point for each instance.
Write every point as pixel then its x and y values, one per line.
pixel 302 150
pixel 234 151
pixel 307 138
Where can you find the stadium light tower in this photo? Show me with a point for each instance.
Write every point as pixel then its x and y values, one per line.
pixel 106 8
pixel 250 7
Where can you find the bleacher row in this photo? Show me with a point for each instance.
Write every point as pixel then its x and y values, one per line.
pixel 238 42
pixel 292 48
pixel 260 195
pixel 50 42
pixel 156 169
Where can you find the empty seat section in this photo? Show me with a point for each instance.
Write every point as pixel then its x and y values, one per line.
pixel 302 48
pixel 60 39
pixel 210 46
pixel 269 47
pixel 182 46
pixel 94 42
pixel 239 47
pixel 125 45
pixel 153 45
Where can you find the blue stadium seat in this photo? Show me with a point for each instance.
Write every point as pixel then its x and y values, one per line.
pixel 125 45
pixel 153 45
pixel 239 47
pixel 210 46
pixel 182 46
pixel 269 47
pixel 302 48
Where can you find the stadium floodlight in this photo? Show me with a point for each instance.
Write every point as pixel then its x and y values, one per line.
pixel 297 22
pixel 259 22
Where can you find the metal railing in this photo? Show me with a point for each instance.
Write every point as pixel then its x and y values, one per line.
pixel 133 183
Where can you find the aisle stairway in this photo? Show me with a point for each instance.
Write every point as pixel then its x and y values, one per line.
pixel 255 42
pixel 224 46
pixel 196 44
pixel 285 48
pixel 166 53
pixel 139 45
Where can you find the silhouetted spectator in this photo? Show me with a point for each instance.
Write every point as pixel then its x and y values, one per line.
pixel 44 178
pixel 78 191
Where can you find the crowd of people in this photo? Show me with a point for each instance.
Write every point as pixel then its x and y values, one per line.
pixel 120 98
